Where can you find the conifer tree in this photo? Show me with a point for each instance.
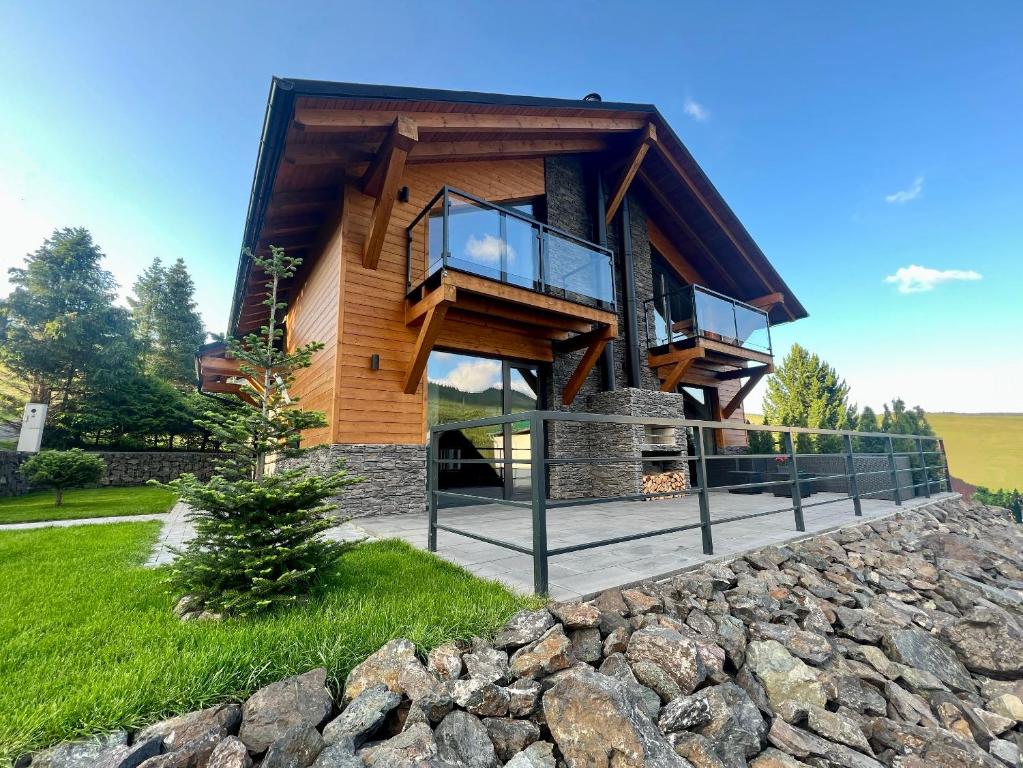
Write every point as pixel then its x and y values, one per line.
pixel 258 542
pixel 145 302
pixel 178 327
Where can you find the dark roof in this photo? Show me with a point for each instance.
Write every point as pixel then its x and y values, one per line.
pixel 280 110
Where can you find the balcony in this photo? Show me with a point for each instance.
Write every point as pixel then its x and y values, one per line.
pixel 460 232
pixel 699 334
pixel 491 280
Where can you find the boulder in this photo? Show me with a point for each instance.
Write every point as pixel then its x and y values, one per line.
pixel 807 646
pixel 414 747
pixel 775 758
pixel 640 601
pixel 192 754
pixel 550 652
pixel 445 661
pixel 270 711
pixel 487 664
pixel 697 750
pixel 462 740
pixel 835 727
pixel 595 723
pixel 230 753
pixel 919 648
pixel 123 756
pixel 725 716
pixel 523 628
pixel 298 747
pixel 576 615
pixel 678 656
pixel 523 697
pixel 175 731
pixel 646 698
pixel 783 676
pixel 1007 705
pixel 510 737
pixel 538 755
pixel 79 754
pixel 340 755
pixel 361 718
pixel 385 666
pixel 617 641
pixel 987 643
pixel 802 744
pixel 586 645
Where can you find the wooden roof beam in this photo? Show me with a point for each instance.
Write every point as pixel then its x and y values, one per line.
pixel 647 138
pixel 768 301
pixel 589 359
pixel 683 360
pixel 324 154
pixel 382 179
pixel 347 120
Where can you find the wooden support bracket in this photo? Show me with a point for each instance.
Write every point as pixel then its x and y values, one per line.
pixel 742 373
pixel 744 390
pixel 428 334
pixel 589 359
pixel 382 179
pixel 684 359
pixel 444 294
pixel 648 137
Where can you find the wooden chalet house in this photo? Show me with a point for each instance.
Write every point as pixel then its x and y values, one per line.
pixel 471 254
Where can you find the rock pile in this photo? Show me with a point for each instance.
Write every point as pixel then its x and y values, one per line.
pixel 892 643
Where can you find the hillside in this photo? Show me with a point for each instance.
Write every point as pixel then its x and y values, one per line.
pixel 983 448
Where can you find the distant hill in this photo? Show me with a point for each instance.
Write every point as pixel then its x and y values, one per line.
pixel 983 448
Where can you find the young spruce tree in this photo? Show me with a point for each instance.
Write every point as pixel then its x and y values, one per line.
pixel 258 542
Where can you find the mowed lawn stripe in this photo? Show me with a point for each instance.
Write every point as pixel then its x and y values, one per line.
pixel 88 641
pixel 79 503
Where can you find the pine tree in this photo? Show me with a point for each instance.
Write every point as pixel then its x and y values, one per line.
pixel 178 327
pixel 258 542
pixel 867 422
pixel 807 392
pixel 145 303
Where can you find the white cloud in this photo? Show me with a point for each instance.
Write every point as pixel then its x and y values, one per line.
pixel 917 279
pixel 695 110
pixel 474 376
pixel 488 249
pixel 905 195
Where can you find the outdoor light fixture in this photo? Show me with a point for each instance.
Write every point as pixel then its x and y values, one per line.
pixel 374 362
pixel 403 195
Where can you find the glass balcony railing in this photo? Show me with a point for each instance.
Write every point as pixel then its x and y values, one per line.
pixel 696 311
pixel 459 231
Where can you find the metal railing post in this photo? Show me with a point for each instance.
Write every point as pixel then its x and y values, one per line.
pixel 854 482
pixel 944 461
pixel 923 466
pixel 445 245
pixel 701 479
pixel 432 476
pixel 895 472
pixel 538 490
pixel 797 497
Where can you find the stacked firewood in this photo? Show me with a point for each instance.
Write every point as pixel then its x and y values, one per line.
pixel 665 482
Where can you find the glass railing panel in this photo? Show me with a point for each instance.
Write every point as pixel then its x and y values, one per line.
pixel 715 317
pixel 753 328
pixel 576 271
pixel 522 246
pixel 474 240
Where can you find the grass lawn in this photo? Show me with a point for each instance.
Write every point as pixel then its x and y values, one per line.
pixel 88 641
pixel 983 449
pixel 86 502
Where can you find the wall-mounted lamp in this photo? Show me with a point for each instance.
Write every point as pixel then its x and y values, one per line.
pixel 403 195
pixel 374 362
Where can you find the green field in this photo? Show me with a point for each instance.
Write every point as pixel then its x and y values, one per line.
pixel 983 448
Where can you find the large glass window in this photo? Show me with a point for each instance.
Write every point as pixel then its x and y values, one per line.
pixel 484 461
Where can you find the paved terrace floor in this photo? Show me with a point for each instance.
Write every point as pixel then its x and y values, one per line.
pixel 581 574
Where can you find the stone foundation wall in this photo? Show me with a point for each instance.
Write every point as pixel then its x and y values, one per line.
pixel 124 468
pixel 394 476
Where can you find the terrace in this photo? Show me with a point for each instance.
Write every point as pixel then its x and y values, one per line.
pixel 578 524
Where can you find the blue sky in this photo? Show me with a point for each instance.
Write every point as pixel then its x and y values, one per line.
pixel 852 141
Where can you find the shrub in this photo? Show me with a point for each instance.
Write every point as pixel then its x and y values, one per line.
pixel 61 470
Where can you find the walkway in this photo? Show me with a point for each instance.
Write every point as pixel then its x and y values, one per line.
pixel 583 573
pixel 81 521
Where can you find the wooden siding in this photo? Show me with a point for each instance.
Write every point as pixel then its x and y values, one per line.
pixel 732 438
pixel 369 405
pixel 313 316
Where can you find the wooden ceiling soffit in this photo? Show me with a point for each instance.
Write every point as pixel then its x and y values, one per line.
pixel 596 343
pixel 767 302
pixel 648 137
pixel 755 375
pixel 695 191
pixel 346 121
pixel 325 154
pixel 301 198
pixel 382 180
pixel 665 203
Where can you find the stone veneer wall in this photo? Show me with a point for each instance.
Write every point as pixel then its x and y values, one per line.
pixel 394 476
pixel 123 468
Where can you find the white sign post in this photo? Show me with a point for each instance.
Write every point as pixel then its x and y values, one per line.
pixel 32 423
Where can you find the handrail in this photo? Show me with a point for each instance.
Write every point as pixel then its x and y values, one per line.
pixel 651 305
pixel 897 471
pixel 540 228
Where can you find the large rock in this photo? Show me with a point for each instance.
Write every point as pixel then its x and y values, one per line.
pixel 550 652
pixel 270 711
pixel 524 628
pixel 509 736
pixel 362 716
pixel 385 666
pixel 725 716
pixel 988 643
pixel 462 740
pixel 576 615
pixel 230 753
pixel 193 754
pixel 538 755
pixel 783 676
pixel 835 727
pixel 487 664
pixel 678 656
pixel 175 731
pixel 123 756
pixel 413 747
pixel 445 661
pixel 79 754
pixel 595 723
pixel 808 646
pixel 297 748
pixel 919 648
pixel 803 744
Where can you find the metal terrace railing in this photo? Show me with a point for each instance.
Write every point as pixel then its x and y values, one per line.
pixel 792 462
pixel 696 311
pixel 459 231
